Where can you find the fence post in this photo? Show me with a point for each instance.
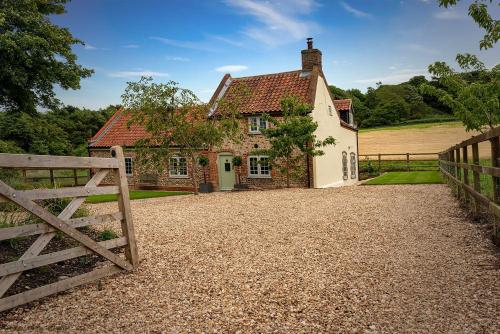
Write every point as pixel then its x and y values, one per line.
pixel 477 180
pixel 379 164
pixel 465 159
pixel 495 156
pixel 459 173
pixel 124 204
pixel 52 180
pixel 408 162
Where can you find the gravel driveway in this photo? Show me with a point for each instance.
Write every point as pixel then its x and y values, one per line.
pixel 358 259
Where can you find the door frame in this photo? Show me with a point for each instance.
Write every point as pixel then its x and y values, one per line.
pixel 219 169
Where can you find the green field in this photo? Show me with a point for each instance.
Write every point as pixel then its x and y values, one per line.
pixel 135 194
pixel 430 177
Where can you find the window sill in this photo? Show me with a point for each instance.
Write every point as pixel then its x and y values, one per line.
pixel 259 176
pixel 254 133
pixel 178 176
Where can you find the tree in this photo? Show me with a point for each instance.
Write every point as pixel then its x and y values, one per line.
pixel 475 102
pixel 176 123
pixel 35 55
pixel 478 10
pixel 291 137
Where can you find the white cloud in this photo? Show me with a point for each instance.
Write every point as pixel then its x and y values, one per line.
pixel 132 74
pixel 392 67
pixel 449 15
pixel 354 11
pixel 227 40
pixel 280 23
pixel 130 46
pixel 395 77
pixel 202 46
pixel 176 58
pixel 90 47
pixel 415 47
pixel 231 68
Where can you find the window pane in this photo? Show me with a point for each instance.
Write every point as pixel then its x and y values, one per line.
pixel 353 166
pixel 253 124
pixel 183 167
pixel 263 123
pixel 344 166
pixel 128 166
pixel 173 166
pixel 264 166
pixel 253 168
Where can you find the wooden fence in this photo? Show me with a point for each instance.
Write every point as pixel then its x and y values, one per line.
pixel 397 162
pixel 74 179
pixel 465 177
pixel 63 223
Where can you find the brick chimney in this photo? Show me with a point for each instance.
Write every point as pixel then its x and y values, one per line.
pixel 310 57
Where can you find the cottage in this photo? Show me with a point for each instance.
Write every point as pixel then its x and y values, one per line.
pixel 337 167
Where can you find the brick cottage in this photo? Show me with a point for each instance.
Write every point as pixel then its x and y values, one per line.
pixel 337 167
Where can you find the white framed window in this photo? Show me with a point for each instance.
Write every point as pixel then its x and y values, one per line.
pixel 258 166
pixel 345 169
pixel 330 110
pixel 129 167
pixel 256 124
pixel 353 165
pixel 177 167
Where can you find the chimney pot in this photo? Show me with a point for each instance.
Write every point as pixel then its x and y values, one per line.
pixel 309 43
pixel 310 57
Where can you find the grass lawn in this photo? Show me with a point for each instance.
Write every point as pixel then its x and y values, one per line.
pixel 135 194
pixel 407 178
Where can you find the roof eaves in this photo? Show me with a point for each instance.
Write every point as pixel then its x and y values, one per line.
pixel 105 129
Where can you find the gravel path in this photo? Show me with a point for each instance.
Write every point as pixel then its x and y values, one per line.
pixel 383 259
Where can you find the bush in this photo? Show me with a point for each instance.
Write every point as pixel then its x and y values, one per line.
pixel 107 235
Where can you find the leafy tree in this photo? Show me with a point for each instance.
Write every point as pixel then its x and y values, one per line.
pixel 474 102
pixel 176 121
pixel 338 93
pixel 291 137
pixel 35 55
pixel 478 10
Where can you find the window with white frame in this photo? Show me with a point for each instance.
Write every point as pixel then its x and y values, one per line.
pixel 129 166
pixel 345 169
pixel 177 167
pixel 256 124
pixel 258 166
pixel 353 165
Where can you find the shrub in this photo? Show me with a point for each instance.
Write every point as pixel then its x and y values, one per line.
pixel 107 235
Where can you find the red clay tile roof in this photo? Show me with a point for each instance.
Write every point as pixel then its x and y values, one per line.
pixel 266 91
pixel 116 132
pixel 265 94
pixel 344 104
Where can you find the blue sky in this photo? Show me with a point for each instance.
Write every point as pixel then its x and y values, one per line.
pixel 195 42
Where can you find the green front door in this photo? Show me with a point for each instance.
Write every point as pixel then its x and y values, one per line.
pixel 226 171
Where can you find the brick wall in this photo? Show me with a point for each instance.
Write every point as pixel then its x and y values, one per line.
pixel 249 143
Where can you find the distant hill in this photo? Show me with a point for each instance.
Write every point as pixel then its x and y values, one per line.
pixel 394 104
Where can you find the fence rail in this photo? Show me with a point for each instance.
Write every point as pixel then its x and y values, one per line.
pixel 378 163
pixel 455 166
pixel 63 223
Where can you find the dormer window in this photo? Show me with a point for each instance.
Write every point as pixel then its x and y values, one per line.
pixel 256 124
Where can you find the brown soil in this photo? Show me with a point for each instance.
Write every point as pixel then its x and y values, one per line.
pixel 11 250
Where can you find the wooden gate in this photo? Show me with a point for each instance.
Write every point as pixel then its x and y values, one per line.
pixel 31 259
